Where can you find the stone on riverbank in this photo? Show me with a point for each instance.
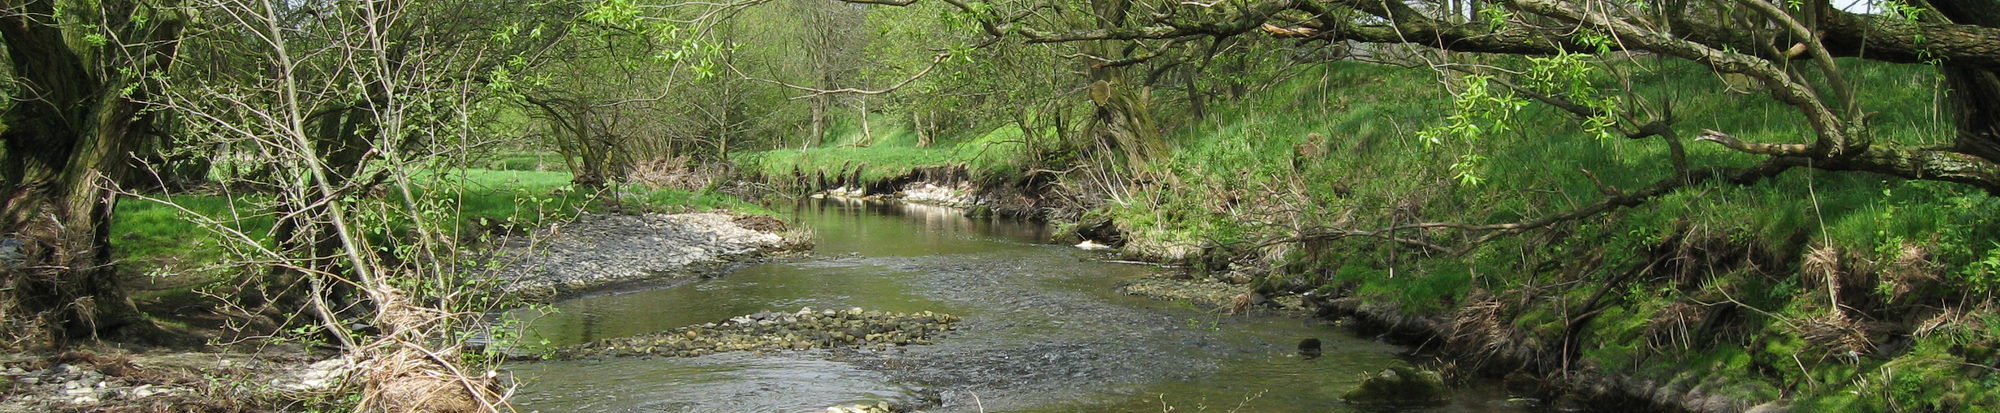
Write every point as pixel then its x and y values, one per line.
pixel 957 195
pixel 112 379
pixel 1399 386
pixel 597 250
pixel 803 330
pixel 882 407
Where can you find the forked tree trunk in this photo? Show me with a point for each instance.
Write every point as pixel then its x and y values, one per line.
pixel 65 149
pixel 58 210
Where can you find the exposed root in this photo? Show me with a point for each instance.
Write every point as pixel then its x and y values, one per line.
pixel 1480 322
pixel 408 379
pixel 1842 337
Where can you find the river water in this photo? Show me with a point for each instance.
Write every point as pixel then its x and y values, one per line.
pixel 1044 330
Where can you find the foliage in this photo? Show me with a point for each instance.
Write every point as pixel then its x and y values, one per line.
pixel 996 155
pixel 1374 120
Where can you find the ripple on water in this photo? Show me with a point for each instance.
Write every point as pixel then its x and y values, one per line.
pixel 731 382
pixel 1043 330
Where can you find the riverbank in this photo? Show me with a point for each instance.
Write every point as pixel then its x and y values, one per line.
pixel 1043 329
pixel 544 237
pixel 105 378
pixel 603 250
pixel 1234 281
pixel 1824 291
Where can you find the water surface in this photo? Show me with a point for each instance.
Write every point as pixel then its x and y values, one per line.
pixel 1043 331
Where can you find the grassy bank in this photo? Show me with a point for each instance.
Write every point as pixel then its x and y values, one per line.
pixel 175 247
pixel 1830 291
pixel 1841 291
pixel 890 152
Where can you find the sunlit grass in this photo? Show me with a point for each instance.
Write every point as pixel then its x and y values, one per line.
pixel 1377 173
pixel 150 236
pixel 993 155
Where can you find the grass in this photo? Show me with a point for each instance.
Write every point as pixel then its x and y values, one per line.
pixel 990 155
pixel 526 161
pixel 1254 171
pixel 162 240
pixel 1238 178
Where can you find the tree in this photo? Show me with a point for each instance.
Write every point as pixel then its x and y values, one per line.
pixel 832 54
pixel 80 72
pixel 1790 50
pixel 359 112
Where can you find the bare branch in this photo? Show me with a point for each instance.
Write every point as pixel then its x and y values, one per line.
pixel 812 91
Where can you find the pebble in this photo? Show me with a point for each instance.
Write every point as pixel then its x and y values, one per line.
pixel 805 329
pixel 599 249
pixel 879 407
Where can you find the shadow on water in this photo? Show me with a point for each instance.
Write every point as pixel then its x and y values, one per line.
pixel 1044 330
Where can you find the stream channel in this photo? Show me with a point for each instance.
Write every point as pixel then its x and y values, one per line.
pixel 1044 330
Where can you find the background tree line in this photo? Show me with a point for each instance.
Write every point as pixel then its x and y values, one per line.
pixel 307 109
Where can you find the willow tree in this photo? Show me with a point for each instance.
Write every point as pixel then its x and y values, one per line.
pixel 77 73
pixel 360 112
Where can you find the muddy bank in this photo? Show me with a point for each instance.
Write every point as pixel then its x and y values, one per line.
pixel 1463 343
pixel 601 250
pixel 1502 353
pixel 1213 295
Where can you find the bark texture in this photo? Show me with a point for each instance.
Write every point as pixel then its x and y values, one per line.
pixel 65 149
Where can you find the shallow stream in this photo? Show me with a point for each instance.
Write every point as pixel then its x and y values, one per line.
pixel 1044 330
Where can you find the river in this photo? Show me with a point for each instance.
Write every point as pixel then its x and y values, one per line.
pixel 1044 330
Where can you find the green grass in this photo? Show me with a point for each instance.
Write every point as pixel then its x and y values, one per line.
pixel 992 155
pixel 155 236
pixel 526 161
pixel 151 237
pixel 1236 179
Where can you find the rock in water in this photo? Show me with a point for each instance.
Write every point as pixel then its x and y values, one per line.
pixel 1309 348
pixel 1399 386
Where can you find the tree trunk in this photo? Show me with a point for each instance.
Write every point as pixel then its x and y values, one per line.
pixel 818 122
pixel 341 136
pixel 923 130
pixel 1974 89
pixel 867 135
pixel 65 150
pixel 1197 98
pixel 58 215
pixel 1121 122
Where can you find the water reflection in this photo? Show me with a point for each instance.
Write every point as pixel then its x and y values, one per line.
pixel 739 382
pixel 876 228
